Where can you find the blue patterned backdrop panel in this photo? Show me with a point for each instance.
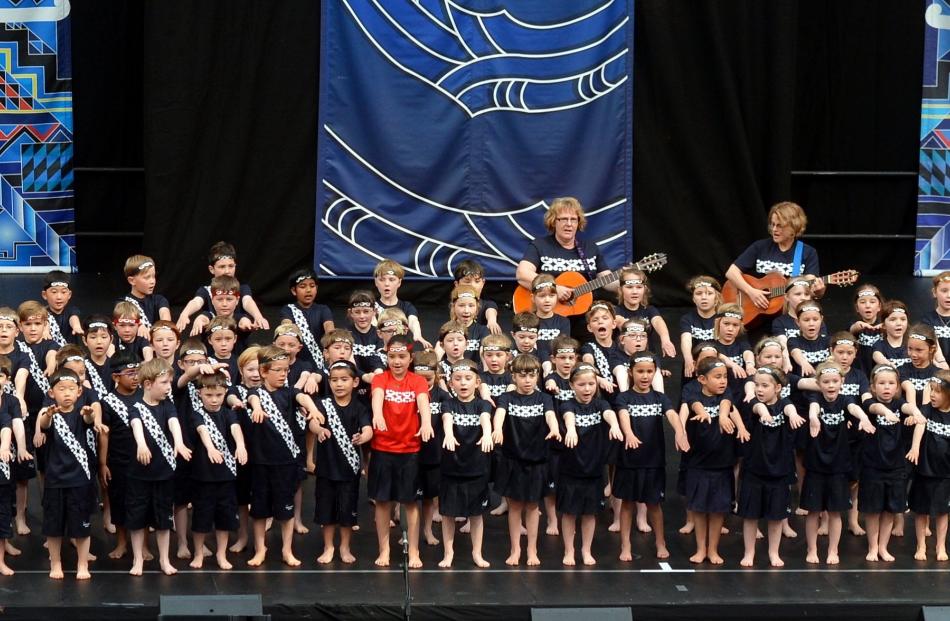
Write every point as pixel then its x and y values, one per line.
pixel 448 126
pixel 36 137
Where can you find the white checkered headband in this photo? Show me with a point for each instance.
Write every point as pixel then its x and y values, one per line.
pixel 830 371
pixel 632 282
pixel 547 284
pixel 800 282
pixel 641 357
pixel 730 315
pixel 10 318
pixel 867 293
pixel 838 342
pixel 919 337
pixel 810 308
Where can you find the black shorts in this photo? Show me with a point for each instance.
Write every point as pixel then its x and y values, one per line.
pixel 243 485
pixel 521 480
pixel 882 491
pixel 929 496
pixel 336 502
pixel 272 491
pixel 825 492
pixel 67 511
pixel 554 467
pixel 149 504
pixel 429 477
pixel 7 498
pixel 767 498
pixel 640 485
pixel 710 491
pixel 580 496
pixel 463 496
pixel 214 507
pixel 393 477
pixel 184 485
pixel 117 491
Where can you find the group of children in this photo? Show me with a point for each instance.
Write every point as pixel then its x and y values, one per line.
pixel 166 427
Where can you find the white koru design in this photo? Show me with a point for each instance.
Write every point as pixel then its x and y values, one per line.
pixel 814 357
pixel 588 420
pixel 548 334
pixel 557 264
pixel 941 332
pixel 399 396
pixel 791 333
pixel 488 60
pixel 564 394
pixel 737 359
pixel 899 362
pixel 786 392
pixel 361 350
pixel 919 383
pixel 701 334
pixel 868 340
pixel 497 390
pixel 525 411
pixel 465 420
pixel 777 420
pixel 435 408
pixel 764 267
pixel 832 418
pixel 850 390
pixel 881 421
pixel 941 429
pixel 646 409
pixel 473 345
pixel 712 410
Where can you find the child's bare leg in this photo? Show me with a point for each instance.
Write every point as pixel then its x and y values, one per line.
pixel 823 524
pixel 615 509
pixel 884 537
pixel 588 525
pixel 412 529
pixel 920 527
pixel 626 526
pixel 121 545
pixel 643 518
pixel 54 548
pixel 532 521
pixel 11 549
pixel 382 512
pixel 428 511
pixel 502 508
pixel 787 530
pixel 181 531
pixel 107 513
pixel 834 536
pixel 811 537
pixel 749 528
pixel 568 528
pixel 5 570
pixel 550 513
pixel 82 559
pixel 299 526
pixel 700 530
pixel 163 539
pixel 448 541
pixel 287 543
pixel 199 542
pixel 689 524
pixel 328 549
pixel 854 524
pixel 21 498
pixel 898 530
pixel 478 535
pixel 221 549
pixel 715 532
pixel 872 522
pixel 346 535
pixel 800 471
pixel 259 525
pixel 243 519
pixel 941 534
pixel 655 515
pixel 515 507
pixel 138 544
pixel 775 540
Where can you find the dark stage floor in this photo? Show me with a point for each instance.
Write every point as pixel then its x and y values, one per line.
pixel 671 589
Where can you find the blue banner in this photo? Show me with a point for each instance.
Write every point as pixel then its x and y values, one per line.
pixel 448 126
pixel 36 137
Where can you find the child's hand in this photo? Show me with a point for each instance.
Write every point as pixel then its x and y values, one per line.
pixel 498 438
pixel 891 417
pixel 39 438
pixel 682 442
pixel 5 455
pixel 261 323
pixel 632 442
pixel 786 366
pixel 688 367
pixel 105 475
pixel 184 451
pixel 143 455
pixel 485 443
pixel 425 433
pixel 605 384
pixel 182 323
pixel 318 416
pixel 726 425
pixel 739 372
pixel 143 331
pixel 240 455
pixel 669 350
pixel 749 396
pixel 866 426
pixel 450 443
pixel 551 386
pixel 915 419
pixel 615 433
pixel 570 438
pixel 666 373
pixel 767 419
pixel 311 385
pixel 23 455
pixel 912 455
pixel 702 417
pixel 743 435
pixel 379 424
pixel 807 369
pixel 323 434
pixel 426 344
pixel 46 333
pixel 246 325
pixel 86 410
pixel 493 327
pixel 258 415
pixel 796 421
pixel 814 426
pixel 215 456
pixel 553 434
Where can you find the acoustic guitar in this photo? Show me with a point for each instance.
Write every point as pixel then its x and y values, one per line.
pixel 583 296
pixel 774 283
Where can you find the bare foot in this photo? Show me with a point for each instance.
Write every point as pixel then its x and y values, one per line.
pixel 268 524
pixel 533 560
pixel 168 569
pixel 300 528
pixel 327 556
pixel 415 562
pixel 941 555
pixel 5 570
pixel 83 573
pixel 206 551
pixel 886 556
pixel 56 571
pixel 662 552
pixel 430 539
pixel 927 532
pixel 758 534
pixel 11 549
pixel 446 561
pixel 568 560
pixel 147 555
pixel 183 553
pixel 23 529
pixel 223 563
pixel 109 527
pixel 552 529
pixel 788 532
pixel 856 530
pixel 687 528
pixel 500 509
pixel 614 527
pixel 382 560
pixel 715 559
pixel 800 511
pixel 832 559
pixel 897 532
pixel 346 556
pixel 812 558
pixel 822 528
pixel 118 552
pixel 588 559
pixel 699 557
pixel 290 560
pixel 90 557
pixel 197 562
pixel 514 558
pixel 238 546
pixel 480 561
pixel 747 561
pixel 136 569
pixel 723 531
pixel 626 556
pixel 644 527
pixel 872 557
pixel 775 561
pixel 920 554
pixel 466 527
pixel 258 558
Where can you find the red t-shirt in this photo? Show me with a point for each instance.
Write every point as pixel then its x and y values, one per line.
pixel 400 412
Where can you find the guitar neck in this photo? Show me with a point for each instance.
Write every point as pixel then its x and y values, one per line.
pixel 597 283
pixel 775 292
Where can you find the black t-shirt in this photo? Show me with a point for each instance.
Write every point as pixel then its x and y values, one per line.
pixel 550 257
pixel 564 391
pixel 300 366
pixel 62 323
pixel 884 449
pixel 941 326
pixel 366 347
pixel 764 256
pixel 483 307
pixel 647 412
pixel 116 415
pixel 201 467
pixel 772 446
pixel 549 329
pixel 63 462
pixel 919 377
pixel 497 384
pixel 266 446
pixel 7 404
pixel 854 384
pixel 605 358
pixel 137 345
pixel 785 325
pixel 829 452
pixel 104 373
pixel 34 396
pixel 407 308
pixel 866 340
pixel 331 460
pixel 525 427
pixel 205 294
pixel 158 469
pixel 734 352
pixel 150 304
pixel 315 316
pixel 476 332
pixel 815 351
pixel 897 355
pixel 587 459
pixel 934 458
pixel 709 447
pixel 468 459
pixel 431 452
pixel 699 328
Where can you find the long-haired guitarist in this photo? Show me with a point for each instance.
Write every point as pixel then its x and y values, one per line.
pixel 787 223
pixel 562 251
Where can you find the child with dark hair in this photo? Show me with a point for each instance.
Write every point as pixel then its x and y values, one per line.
pixel 140 273
pixel 312 320
pixel 64 323
pixel 472 273
pixel 225 292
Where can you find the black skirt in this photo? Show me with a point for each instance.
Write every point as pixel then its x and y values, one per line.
pixel 520 480
pixel 763 497
pixel 882 491
pixel 554 463
pixel 929 496
pixel 640 485
pixel 393 477
pixel 580 496
pixel 463 496
pixel 429 477
pixel 825 492
pixel 710 491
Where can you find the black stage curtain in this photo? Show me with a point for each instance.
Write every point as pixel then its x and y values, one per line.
pixel 729 98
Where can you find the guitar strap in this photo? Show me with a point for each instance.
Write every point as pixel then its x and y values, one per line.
pixel 579 249
pixel 797 260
